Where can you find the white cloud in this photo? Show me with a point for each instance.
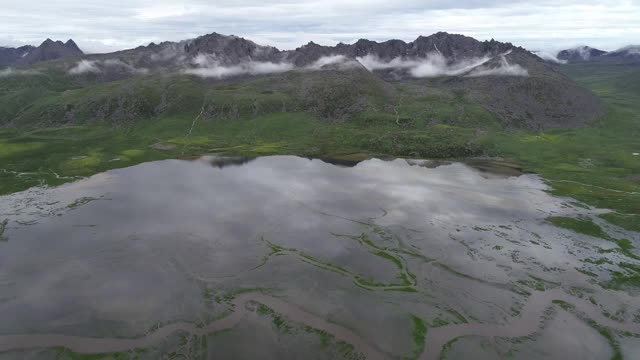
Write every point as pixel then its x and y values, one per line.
pixel 333 61
pixel 435 65
pixel 209 67
pixel 545 55
pixel 83 67
pixel 503 69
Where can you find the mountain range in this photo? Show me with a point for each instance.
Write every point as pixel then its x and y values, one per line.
pixel 513 84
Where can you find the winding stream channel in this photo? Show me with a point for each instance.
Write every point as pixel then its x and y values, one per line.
pixel 526 324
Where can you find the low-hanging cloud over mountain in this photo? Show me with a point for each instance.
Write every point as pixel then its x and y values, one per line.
pixel 333 61
pixel 544 55
pixel 435 65
pixel 208 66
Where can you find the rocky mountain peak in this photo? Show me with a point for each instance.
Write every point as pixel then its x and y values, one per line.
pixel 72 45
pixel 51 50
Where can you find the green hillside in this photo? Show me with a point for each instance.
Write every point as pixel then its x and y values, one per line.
pixel 56 128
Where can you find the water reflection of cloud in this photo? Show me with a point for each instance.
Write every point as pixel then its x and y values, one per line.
pixel 171 217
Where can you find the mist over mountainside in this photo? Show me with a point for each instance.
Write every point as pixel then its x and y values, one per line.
pixel 447 54
pixel 515 85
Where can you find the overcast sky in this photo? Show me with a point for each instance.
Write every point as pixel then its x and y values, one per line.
pixel 101 25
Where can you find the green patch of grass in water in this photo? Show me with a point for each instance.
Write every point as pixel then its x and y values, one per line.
pixel 629 222
pixel 447 347
pixel 419 334
pixel 3 228
pixel 580 225
pixel 628 277
pixel 279 322
pixel 226 298
pixel 600 261
pixel 391 258
pixel 607 334
pixel 81 201
pixel 563 304
pixel 588 227
pixel 403 289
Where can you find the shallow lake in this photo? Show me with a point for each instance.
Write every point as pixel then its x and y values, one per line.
pixel 301 258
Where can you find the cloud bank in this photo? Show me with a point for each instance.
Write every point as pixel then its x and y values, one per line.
pixel 13 72
pixel 435 65
pixel 211 66
pixel 340 62
pixel 83 67
pixel 208 66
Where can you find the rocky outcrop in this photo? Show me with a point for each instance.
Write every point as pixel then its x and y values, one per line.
pixel 11 56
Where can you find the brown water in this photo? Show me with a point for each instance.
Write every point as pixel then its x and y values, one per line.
pixel 129 258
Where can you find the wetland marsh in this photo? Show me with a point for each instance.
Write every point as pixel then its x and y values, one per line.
pixel 389 259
